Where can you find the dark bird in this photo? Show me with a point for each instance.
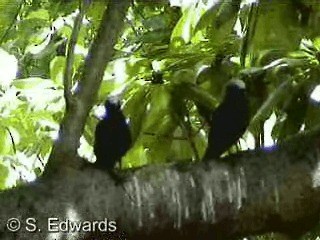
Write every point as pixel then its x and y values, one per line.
pixel 112 137
pixel 229 120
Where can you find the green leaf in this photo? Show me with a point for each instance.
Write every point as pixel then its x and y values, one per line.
pixel 4 174
pixel 39 14
pixel 277 26
pixel 5 140
pixel 181 34
pixel 33 83
pixel 136 108
pixel 57 68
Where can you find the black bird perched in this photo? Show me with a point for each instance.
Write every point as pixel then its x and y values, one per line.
pixel 112 137
pixel 229 120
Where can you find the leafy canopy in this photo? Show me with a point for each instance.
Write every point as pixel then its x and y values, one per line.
pixel 197 46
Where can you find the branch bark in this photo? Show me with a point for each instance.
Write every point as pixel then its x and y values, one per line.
pixel 253 192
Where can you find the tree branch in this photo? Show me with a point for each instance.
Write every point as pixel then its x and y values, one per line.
pixel 249 193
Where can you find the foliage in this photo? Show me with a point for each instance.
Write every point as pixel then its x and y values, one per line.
pixel 198 46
